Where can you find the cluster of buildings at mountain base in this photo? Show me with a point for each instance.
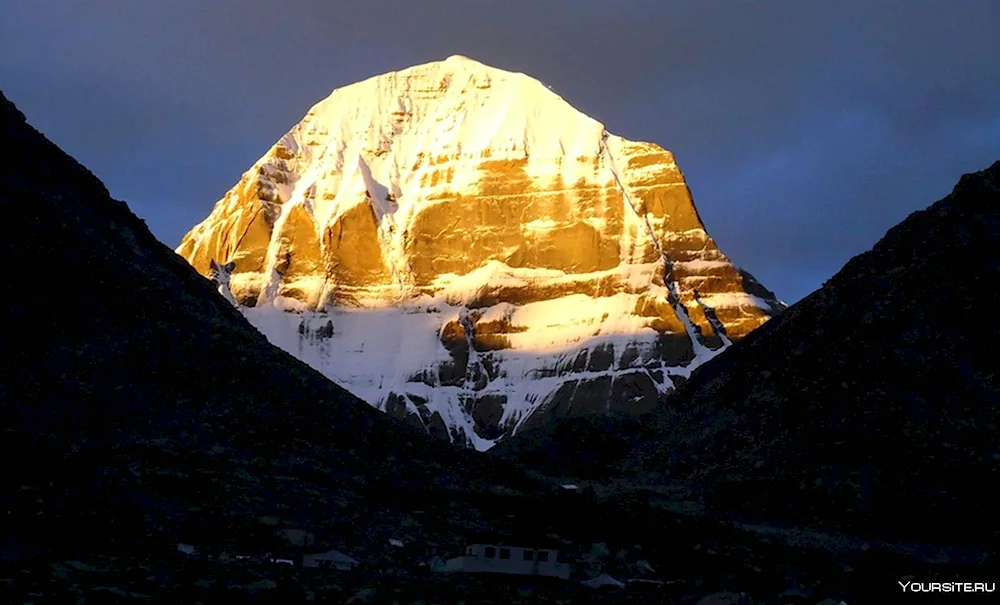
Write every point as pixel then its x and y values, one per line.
pixel 477 559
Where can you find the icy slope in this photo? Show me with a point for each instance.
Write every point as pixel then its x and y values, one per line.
pixel 458 245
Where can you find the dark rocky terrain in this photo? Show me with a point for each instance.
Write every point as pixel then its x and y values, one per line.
pixel 140 409
pixel 868 409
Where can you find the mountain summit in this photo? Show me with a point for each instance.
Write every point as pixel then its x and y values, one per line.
pixel 460 247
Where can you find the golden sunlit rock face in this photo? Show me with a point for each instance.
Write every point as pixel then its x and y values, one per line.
pixel 489 257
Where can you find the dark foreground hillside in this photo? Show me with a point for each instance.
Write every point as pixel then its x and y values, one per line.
pixel 869 408
pixel 138 405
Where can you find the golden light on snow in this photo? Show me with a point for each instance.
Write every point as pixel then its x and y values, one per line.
pixel 472 237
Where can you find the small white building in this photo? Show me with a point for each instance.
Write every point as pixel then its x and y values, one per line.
pixel 492 558
pixel 330 558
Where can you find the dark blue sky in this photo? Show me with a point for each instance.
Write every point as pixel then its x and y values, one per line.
pixel 805 128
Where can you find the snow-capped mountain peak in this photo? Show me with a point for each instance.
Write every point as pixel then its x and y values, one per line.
pixel 459 246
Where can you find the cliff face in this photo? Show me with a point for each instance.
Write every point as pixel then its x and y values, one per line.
pixel 480 255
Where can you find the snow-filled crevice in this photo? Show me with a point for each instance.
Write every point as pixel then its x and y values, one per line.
pixel 701 352
pixel 269 292
pixel 384 203
pixel 713 319
pixel 412 410
pixel 605 152
pixel 673 295
pixel 473 365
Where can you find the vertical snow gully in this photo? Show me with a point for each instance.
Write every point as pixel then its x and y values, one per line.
pixel 713 319
pixel 673 294
pixel 384 203
pixel 472 366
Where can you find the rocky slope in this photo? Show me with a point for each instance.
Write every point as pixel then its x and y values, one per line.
pixel 869 407
pixel 482 256
pixel 138 407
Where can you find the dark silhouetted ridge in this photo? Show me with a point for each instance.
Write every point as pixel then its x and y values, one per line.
pixel 141 406
pixel 871 406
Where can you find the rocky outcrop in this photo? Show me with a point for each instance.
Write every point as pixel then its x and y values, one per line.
pixel 485 245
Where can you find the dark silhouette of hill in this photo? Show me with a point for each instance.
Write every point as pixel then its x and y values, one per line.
pixel 869 407
pixel 138 405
